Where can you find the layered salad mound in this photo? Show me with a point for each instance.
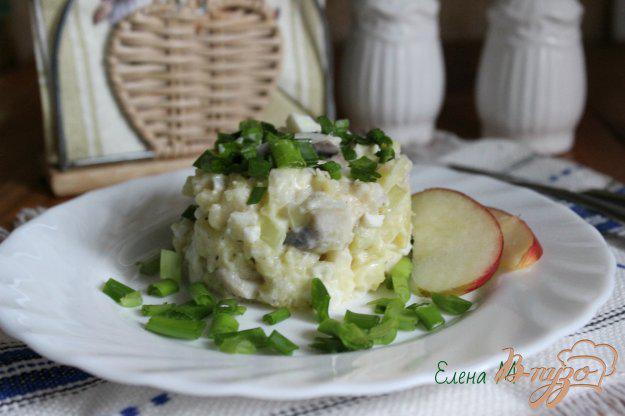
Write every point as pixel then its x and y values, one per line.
pixel 275 208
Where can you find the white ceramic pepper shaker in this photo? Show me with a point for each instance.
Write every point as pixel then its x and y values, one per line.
pixel 531 82
pixel 392 73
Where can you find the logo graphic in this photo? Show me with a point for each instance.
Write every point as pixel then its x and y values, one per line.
pixel 584 365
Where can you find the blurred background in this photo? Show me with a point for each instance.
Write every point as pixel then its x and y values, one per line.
pixel 600 136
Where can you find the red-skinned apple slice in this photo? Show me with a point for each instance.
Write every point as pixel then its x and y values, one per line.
pixel 457 242
pixel 521 248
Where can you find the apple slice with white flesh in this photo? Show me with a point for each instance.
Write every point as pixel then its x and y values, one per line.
pixel 521 248
pixel 457 242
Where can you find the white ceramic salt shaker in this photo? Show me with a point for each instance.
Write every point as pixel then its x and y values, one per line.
pixel 531 81
pixel 392 74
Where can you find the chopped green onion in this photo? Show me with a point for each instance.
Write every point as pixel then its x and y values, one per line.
pixel 131 300
pixel 354 338
pixel 189 213
pixel 255 335
pixel 171 265
pixel 153 310
pixel 364 169
pixel 308 152
pixel 163 287
pixel 327 127
pixel 415 305
pixel 256 195
pixel 190 310
pixel 329 327
pixel 328 345
pixel 348 152
pixel 222 323
pixel 228 151
pixel 400 274
pixel 249 151
pixel 320 299
pixel 122 294
pixel 363 320
pixel 385 154
pixel 175 328
pixel 282 344
pixel 451 304
pixel 408 320
pixel 385 332
pixel 341 125
pixel 351 336
pixel 258 168
pixel 252 130
pixel 230 306
pixel 237 345
pixel 333 168
pixel 203 162
pixel 276 316
pixel 286 154
pixel 379 305
pixel 430 316
pixel 225 138
pixel 150 266
pixel 201 295
pixel 394 308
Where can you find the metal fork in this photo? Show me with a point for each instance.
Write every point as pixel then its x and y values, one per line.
pixel 610 204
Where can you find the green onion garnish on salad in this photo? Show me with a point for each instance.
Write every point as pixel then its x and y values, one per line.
pixel 354 338
pixel 171 265
pixel 385 332
pixel 333 168
pixel 175 328
pixel 201 295
pixel 308 152
pixel 451 304
pixel 328 345
pixel 256 195
pixel 131 300
pixel 281 344
pixel 237 345
pixel 255 335
pixel 153 310
pixel 286 154
pixel 364 321
pixel 400 275
pixel 257 147
pixel 222 323
pixel 320 299
pixel 379 305
pixel 430 316
pixel 276 316
pixel 329 327
pixel 190 310
pixel 364 169
pixel 230 306
pixel 122 294
pixel 258 168
pixel 163 287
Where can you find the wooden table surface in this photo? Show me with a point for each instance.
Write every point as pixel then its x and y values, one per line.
pixel 600 141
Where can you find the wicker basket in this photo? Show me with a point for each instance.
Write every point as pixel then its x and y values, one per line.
pixel 182 73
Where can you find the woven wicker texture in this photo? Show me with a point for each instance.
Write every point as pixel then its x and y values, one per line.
pixel 183 72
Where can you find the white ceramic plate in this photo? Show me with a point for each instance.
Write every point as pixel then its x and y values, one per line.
pixel 52 269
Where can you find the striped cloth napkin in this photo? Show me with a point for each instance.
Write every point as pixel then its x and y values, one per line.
pixel 32 385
